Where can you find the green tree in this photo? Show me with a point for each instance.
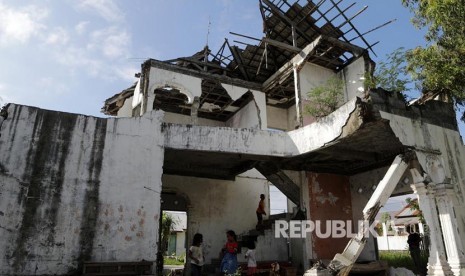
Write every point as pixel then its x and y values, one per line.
pixel 167 225
pixel 413 203
pixel 440 65
pixel 324 99
pixel 386 218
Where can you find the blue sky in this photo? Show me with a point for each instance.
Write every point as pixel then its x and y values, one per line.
pixel 71 55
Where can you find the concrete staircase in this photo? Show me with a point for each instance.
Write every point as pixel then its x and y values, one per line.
pixel 268 248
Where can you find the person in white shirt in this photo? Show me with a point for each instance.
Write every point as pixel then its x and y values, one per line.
pixel 251 260
pixel 196 255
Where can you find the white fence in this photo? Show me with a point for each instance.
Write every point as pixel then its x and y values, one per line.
pixel 392 243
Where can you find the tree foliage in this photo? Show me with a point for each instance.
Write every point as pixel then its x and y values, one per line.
pixel 440 65
pixel 413 203
pixel 167 225
pixel 325 98
pixel 391 74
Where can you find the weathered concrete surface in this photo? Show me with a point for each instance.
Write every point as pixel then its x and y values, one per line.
pixel 75 188
pixel 267 143
pixel 218 206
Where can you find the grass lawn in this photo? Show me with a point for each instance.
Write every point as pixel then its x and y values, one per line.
pixel 400 259
pixel 172 261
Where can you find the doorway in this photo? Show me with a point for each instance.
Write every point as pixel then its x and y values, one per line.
pixel 173 233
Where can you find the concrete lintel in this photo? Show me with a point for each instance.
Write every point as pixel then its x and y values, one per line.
pixel 204 75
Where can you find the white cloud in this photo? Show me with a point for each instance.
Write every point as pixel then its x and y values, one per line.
pixel 78 58
pixel 58 36
pixel 127 73
pixel 112 42
pixel 20 24
pixel 107 9
pixel 81 27
pixel 51 86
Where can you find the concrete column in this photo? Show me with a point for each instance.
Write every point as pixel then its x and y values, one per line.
pixel 445 198
pixel 298 97
pixel 437 264
pixel 421 228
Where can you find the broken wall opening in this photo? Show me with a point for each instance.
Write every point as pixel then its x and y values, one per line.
pixel 173 231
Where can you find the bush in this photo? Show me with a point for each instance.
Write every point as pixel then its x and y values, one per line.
pixel 325 98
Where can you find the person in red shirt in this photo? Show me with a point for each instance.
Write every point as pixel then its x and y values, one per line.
pixel 229 261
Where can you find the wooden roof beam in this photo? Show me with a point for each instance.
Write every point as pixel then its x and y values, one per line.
pixel 287 68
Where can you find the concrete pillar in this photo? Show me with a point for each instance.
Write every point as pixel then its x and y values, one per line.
pixel 445 198
pixel 437 264
pixel 298 98
pixel 421 228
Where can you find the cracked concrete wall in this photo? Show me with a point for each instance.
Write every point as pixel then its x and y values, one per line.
pixel 251 116
pixel 330 199
pixel 126 109
pixel 246 117
pixel 433 141
pixel 365 181
pixel 354 77
pixel 76 188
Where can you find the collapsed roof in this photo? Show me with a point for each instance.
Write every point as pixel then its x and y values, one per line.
pixel 289 26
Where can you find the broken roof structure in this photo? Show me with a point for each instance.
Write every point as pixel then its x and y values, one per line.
pixel 207 134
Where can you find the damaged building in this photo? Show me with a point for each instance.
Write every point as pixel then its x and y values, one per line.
pixel 207 134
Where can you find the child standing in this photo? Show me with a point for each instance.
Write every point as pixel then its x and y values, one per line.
pixel 229 261
pixel 261 210
pixel 196 255
pixel 251 260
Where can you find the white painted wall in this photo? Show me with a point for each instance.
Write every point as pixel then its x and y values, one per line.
pixel 247 117
pixel 292 118
pixel 181 243
pixel 73 182
pixel 354 77
pixel 126 109
pixel 429 138
pixel 312 75
pixel 217 206
pixel 159 78
pixel 253 115
pixel 392 243
pixel 277 117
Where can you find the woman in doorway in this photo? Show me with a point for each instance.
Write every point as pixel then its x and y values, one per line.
pixel 196 255
pixel 229 261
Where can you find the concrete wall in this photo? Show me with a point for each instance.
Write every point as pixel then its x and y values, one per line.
pixel 277 117
pixel 329 200
pixel 436 142
pixel 175 118
pixel 392 243
pixel 361 189
pixel 253 115
pixel 126 109
pixel 217 206
pixel 246 117
pixel 354 77
pixel 71 190
pixel 181 243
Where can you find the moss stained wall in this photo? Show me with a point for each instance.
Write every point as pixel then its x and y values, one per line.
pixel 75 188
